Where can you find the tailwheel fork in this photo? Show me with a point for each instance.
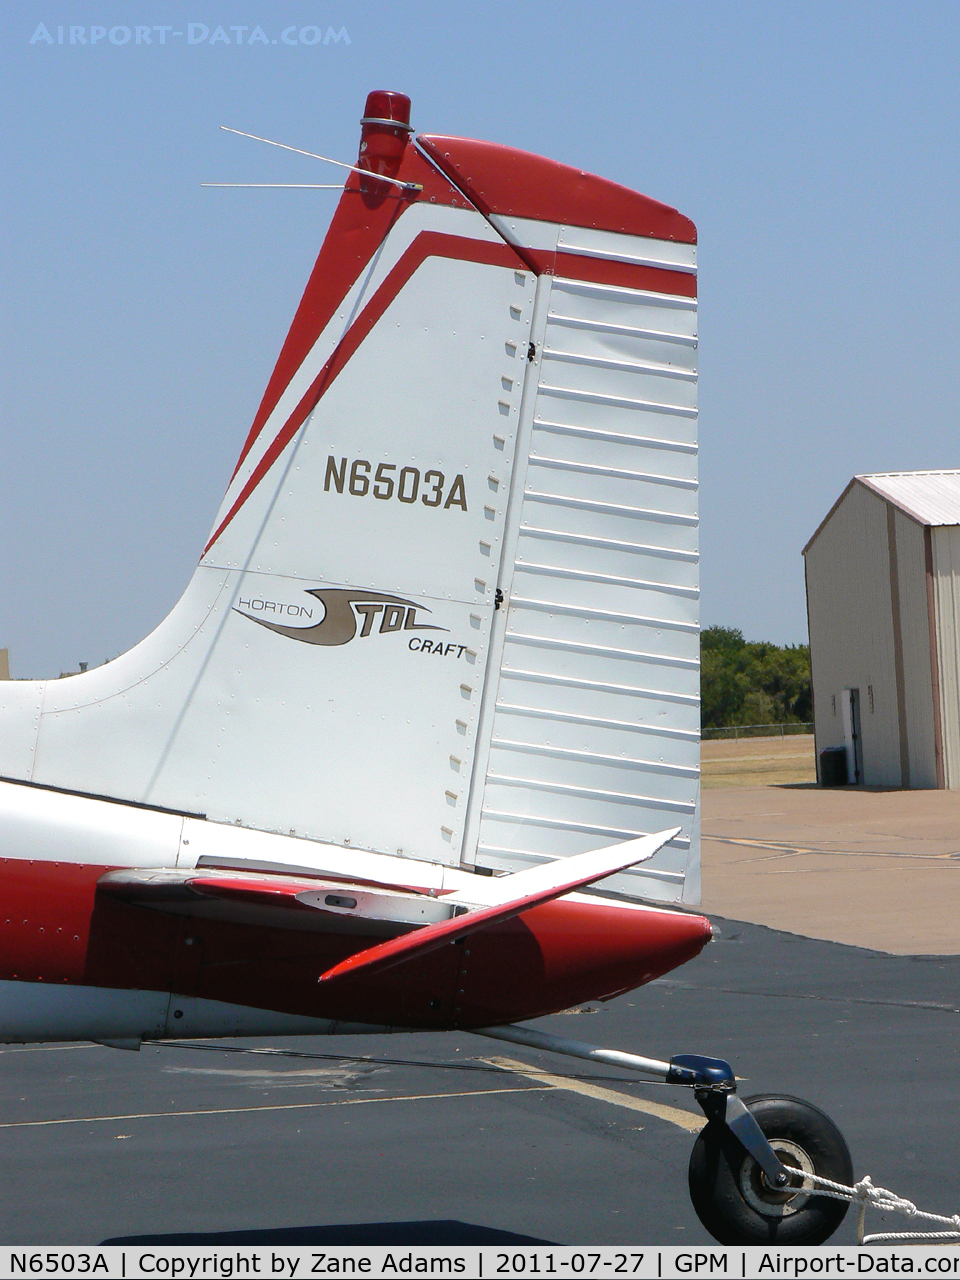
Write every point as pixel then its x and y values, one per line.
pixel 756 1163
pixel 746 1191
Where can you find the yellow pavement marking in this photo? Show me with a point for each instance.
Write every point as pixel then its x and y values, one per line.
pixel 784 850
pixel 285 1106
pixel 673 1115
pixel 542 1081
pixel 47 1048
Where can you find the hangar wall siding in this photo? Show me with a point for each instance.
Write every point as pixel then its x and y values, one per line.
pixel 946 575
pixel 919 738
pixel 884 618
pixel 851 632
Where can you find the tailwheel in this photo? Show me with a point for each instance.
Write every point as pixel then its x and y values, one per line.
pixel 731 1194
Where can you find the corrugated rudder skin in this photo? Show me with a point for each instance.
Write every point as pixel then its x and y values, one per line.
pixel 598 703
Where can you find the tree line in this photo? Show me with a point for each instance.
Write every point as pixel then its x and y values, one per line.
pixel 752 682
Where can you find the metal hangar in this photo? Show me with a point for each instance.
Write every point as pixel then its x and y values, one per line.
pixel 883 606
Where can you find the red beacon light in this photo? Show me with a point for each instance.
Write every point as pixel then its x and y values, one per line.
pixel 384 132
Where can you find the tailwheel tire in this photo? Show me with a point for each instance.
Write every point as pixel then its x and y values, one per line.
pixel 732 1197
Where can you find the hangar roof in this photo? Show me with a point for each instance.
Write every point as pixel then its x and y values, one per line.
pixel 929 497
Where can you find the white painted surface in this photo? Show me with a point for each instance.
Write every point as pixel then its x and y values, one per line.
pixel 31 1012
pixel 612 245
pixel 214 844
pixel 34 1011
pixel 417 219
pixel 45 826
pixel 202 1019
pixel 21 702
pixel 561 875
pixel 615 246
pixel 367 743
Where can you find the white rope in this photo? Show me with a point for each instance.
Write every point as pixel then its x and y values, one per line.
pixel 867 1196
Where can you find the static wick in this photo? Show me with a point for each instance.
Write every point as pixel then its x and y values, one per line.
pixel 366 173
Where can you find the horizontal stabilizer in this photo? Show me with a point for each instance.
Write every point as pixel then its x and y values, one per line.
pixel 285 902
pixel 560 874
pixel 510 896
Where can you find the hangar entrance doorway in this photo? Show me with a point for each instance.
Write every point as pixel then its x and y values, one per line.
pixel 851 735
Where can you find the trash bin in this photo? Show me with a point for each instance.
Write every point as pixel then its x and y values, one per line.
pixel 833 767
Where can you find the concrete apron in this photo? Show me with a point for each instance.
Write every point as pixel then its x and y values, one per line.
pixel 870 868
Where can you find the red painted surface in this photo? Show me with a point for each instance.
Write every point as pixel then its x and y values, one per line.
pixel 366 212
pixel 584 952
pixel 382 145
pixel 422 941
pixel 549 958
pixel 502 180
pixel 45 910
pixel 387 104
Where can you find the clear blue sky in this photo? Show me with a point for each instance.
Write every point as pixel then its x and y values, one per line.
pixel 815 146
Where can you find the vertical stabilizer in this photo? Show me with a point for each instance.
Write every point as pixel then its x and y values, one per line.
pixel 448 605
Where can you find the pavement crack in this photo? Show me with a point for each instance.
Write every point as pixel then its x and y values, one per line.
pixel 930 1005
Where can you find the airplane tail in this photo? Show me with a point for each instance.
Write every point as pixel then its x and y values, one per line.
pixel 449 604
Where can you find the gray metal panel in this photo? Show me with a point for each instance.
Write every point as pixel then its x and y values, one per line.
pixel 595 736
pixel 946 569
pixel 851 631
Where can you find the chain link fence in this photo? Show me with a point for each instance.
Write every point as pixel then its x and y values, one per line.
pixel 738 731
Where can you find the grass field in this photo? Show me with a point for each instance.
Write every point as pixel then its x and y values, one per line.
pixel 757 762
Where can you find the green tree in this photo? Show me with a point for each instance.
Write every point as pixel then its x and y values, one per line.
pixel 752 682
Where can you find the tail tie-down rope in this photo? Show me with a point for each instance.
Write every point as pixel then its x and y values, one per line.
pixel 866 1195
